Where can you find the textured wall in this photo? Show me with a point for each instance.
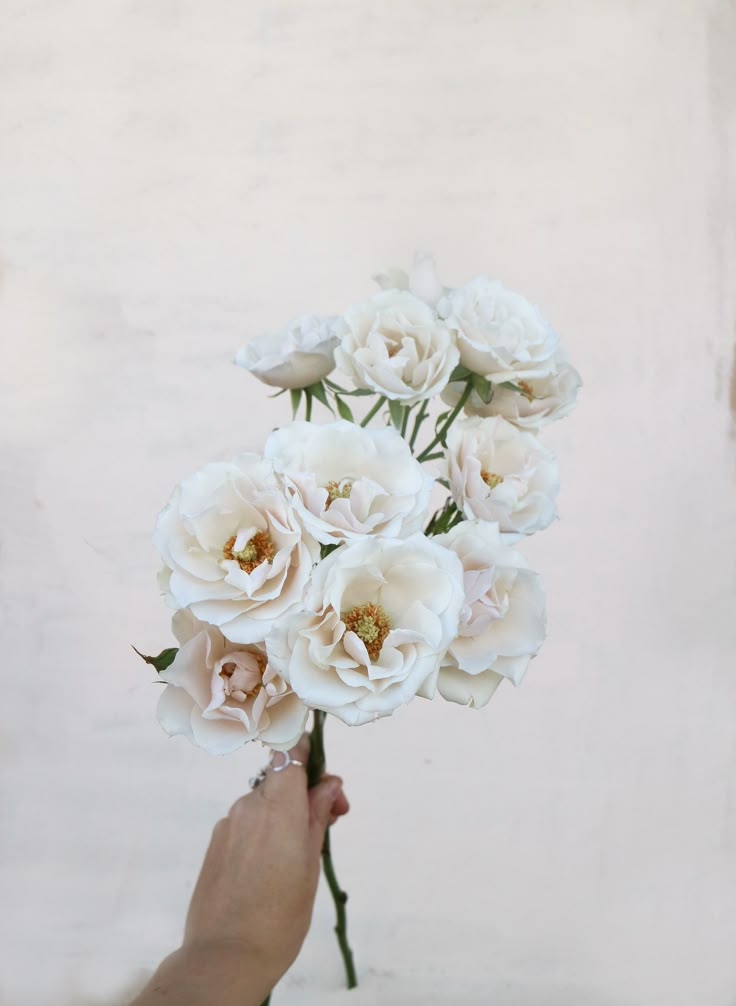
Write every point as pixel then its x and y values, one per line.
pixel 177 176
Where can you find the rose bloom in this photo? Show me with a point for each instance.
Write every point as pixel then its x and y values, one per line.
pixel 346 482
pixel 499 334
pixel 233 548
pixel 394 345
pixel 499 473
pixel 421 280
pixel 221 694
pixel 502 623
pixel 539 402
pixel 380 614
pixel 300 355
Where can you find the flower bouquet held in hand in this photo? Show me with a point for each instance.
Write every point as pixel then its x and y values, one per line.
pixel 312 578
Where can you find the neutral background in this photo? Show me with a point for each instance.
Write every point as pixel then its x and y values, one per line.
pixel 176 177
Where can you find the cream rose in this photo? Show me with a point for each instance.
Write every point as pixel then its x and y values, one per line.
pixel 380 614
pixel 500 335
pixel 221 694
pixel 502 623
pixel 421 280
pixel 346 482
pixel 499 473
pixel 539 402
pixel 394 345
pixel 233 548
pixel 300 355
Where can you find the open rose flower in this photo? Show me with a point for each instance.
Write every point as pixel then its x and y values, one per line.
pixel 380 614
pixel 346 482
pixel 394 345
pixel 421 280
pixel 502 623
pixel 538 403
pixel 499 334
pixel 300 355
pixel 221 694
pixel 499 473
pixel 233 548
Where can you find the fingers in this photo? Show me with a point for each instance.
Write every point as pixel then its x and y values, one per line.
pixel 327 802
pixel 288 783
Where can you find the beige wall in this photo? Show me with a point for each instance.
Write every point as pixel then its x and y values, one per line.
pixel 177 176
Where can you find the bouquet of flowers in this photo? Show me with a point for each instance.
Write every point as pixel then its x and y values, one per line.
pixel 312 578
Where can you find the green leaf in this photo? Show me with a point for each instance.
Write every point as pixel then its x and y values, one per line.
pixel 343 409
pixel 440 419
pixel 460 373
pixel 163 660
pixel 279 393
pixel 318 390
pixel 482 387
pixel 360 392
pixel 336 387
pixel 296 397
pixel 396 411
pixel 512 387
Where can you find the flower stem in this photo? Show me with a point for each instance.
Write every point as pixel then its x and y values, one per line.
pixel 440 438
pixel 308 408
pixel 315 770
pixel 418 423
pixel 373 411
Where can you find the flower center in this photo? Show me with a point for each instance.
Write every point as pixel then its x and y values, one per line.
pixel 259 549
pixel 371 624
pixel 527 389
pixel 491 479
pixel 338 491
pixel 239 683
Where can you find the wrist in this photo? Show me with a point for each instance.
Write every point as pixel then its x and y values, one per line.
pixel 223 971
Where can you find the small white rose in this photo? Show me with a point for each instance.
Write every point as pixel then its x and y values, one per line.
pixel 499 473
pixel 502 623
pixel 394 345
pixel 300 355
pixel 500 335
pixel 233 548
pixel 380 614
pixel 346 482
pixel 421 280
pixel 221 695
pixel 539 402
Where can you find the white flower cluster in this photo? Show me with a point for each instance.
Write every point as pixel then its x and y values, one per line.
pixel 313 576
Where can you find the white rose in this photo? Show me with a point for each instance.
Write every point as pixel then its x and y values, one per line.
pixel 346 482
pixel 395 345
pixel 499 473
pixel 220 694
pixel 300 355
pixel 380 616
pixel 421 280
pixel 502 623
pixel 538 403
pixel 499 334
pixel 233 548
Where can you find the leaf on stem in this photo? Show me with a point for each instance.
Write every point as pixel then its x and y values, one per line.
pixel 296 397
pixel 343 409
pixel 396 411
pixel 460 373
pixel 318 391
pixel 482 387
pixel 162 661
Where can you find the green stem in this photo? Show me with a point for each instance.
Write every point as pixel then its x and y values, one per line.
pixel 315 771
pixel 308 396
pixel 421 415
pixel 373 411
pixel 405 420
pixel 440 438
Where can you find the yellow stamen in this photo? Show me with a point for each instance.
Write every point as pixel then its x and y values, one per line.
pixel 338 491
pixel 371 624
pixel 259 549
pixel 491 479
pixel 527 390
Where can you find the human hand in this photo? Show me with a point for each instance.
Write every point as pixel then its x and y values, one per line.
pixel 252 903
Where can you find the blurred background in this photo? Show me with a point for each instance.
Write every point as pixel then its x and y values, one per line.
pixel 177 177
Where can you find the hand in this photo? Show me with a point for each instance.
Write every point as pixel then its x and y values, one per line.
pixel 252 904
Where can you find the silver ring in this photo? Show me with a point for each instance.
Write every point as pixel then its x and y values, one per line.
pixel 288 760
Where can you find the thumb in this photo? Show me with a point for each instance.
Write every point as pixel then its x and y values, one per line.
pixel 322 798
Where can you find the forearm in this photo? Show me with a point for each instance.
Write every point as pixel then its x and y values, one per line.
pixel 199 976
